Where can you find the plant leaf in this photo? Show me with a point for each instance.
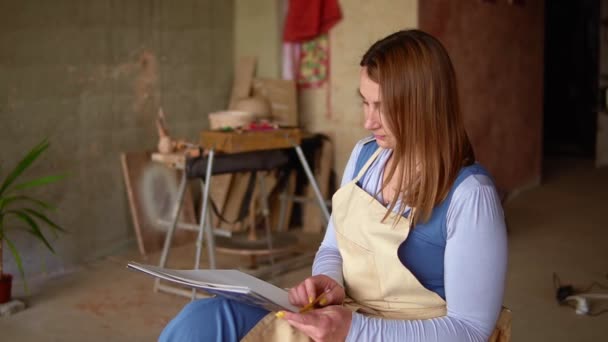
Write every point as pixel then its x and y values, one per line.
pixel 38 182
pixel 17 258
pixel 29 158
pixel 44 218
pixel 35 229
pixel 4 202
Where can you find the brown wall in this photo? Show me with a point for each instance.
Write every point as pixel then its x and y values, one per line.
pixel 602 116
pixel 497 50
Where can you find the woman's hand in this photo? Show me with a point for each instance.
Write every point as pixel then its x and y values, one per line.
pixel 306 292
pixel 331 323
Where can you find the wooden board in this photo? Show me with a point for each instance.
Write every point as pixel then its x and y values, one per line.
pixel 234 200
pixel 247 141
pixel 220 186
pixel 275 204
pixel 172 160
pixel 312 217
pixel 151 235
pixel 243 78
pixel 282 97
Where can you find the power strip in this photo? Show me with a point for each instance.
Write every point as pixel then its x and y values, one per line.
pixel 582 301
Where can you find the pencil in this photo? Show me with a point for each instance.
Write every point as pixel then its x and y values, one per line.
pixel 312 304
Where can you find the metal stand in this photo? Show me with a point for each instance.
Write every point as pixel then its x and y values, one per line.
pixel 312 181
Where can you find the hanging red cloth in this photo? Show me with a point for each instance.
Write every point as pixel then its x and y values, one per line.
pixel 307 19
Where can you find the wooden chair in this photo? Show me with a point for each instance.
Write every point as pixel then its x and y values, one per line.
pixel 502 333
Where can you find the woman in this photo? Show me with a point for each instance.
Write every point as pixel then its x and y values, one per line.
pixel 416 248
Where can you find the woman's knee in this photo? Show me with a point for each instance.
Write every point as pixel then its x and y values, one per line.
pixel 192 322
pixel 203 306
pixel 216 318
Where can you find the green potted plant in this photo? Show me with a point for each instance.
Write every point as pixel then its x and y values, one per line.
pixel 20 211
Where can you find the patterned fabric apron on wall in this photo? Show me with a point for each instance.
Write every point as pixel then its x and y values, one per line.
pixel 376 282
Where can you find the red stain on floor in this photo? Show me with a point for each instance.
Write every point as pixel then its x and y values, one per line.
pixel 131 303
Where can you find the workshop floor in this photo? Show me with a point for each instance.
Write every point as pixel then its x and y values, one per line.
pixel 559 227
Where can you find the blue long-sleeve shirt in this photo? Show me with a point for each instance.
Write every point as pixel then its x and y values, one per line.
pixel 474 265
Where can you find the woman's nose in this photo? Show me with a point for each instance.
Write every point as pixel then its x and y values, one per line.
pixel 372 119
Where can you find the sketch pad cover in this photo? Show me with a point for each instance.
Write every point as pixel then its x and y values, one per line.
pixel 231 284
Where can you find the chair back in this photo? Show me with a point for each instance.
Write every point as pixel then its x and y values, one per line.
pixel 502 333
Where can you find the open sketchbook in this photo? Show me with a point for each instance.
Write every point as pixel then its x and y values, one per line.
pixel 231 284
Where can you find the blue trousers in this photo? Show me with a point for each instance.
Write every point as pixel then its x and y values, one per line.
pixel 213 319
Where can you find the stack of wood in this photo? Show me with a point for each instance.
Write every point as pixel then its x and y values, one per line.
pixel 228 190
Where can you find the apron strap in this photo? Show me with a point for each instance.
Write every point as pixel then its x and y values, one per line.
pixel 368 163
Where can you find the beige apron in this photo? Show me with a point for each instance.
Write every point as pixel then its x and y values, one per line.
pixel 376 282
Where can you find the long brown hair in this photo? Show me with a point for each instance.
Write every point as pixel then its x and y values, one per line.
pixel 420 104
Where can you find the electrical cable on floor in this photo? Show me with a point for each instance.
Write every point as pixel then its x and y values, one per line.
pixel 566 295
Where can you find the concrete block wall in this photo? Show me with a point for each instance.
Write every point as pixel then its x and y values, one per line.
pixel 258 31
pixel 90 75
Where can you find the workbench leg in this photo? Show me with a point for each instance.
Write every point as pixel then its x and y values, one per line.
pixel 169 237
pixel 312 182
pixel 203 218
pixel 266 214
